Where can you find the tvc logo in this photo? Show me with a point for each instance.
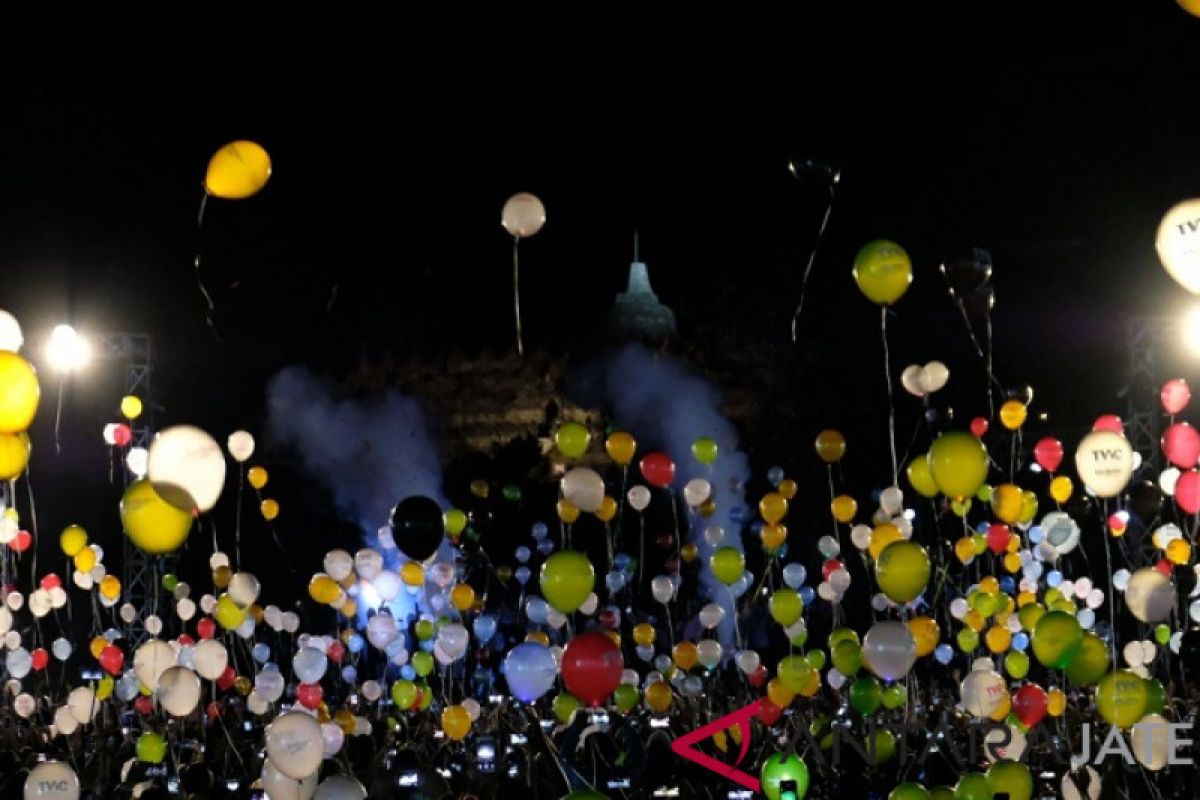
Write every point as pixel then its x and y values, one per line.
pixel 682 746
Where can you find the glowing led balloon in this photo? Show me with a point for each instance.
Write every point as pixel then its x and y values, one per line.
pixel 238 170
pixel 187 468
pixel 1104 460
pixel 1178 244
pixel 240 445
pixel 523 215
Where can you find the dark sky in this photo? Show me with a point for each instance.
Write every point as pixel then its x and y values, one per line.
pixel 1054 138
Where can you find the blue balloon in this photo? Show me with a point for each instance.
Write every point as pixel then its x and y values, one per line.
pixel 485 627
pixel 349 674
pixel 1007 584
pixel 621 561
pixel 536 609
pixel 407 672
pixel 615 581
pixel 539 530
pixel 1020 641
pixel 982 527
pixel 782 551
pixel 757 526
pixel 1054 578
pixel 522 554
pixel 794 575
pixel 807 594
pixel 1036 534
pixel 522 574
pixel 775 475
pixel 261 653
pixel 738 514
pixel 530 670
pixel 943 653
pixel 355 643
pixel 545 546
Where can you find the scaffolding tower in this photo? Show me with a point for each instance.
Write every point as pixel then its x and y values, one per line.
pixel 1146 339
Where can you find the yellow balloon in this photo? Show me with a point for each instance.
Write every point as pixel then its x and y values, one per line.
pixel 269 508
pixel 689 552
pixel 998 639
pixel 19 393
pixel 1190 6
pixel 228 614
pixel 237 171
pixel 258 477
pixel 1056 702
pixel 920 477
pixel 621 447
pixel 658 697
pixel 97 645
pixel 1012 414
pixel 456 722
pixel 607 509
pixel 844 507
pixel 779 694
pixel 959 464
pixel 538 636
pixel 462 596
pixel 110 587
pixel 773 536
pixel 221 576
pixel 964 549
pixel 1179 552
pixel 1012 561
pixel 568 512
pixel 73 539
pixel 787 487
pixel 1029 507
pixel 85 559
pixel 1006 502
pixel 131 406
pixel 883 271
pixel 830 445
pixel 14 455
pixel 773 507
pixel 686 655
pixel 926 634
pixel 150 522
pixel 644 634
pixel 1061 488
pixel 323 589
pixel 881 537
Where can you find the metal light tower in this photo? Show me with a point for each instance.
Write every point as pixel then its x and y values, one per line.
pixel 1146 340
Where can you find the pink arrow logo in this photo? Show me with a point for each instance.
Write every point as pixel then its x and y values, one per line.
pixel 683 746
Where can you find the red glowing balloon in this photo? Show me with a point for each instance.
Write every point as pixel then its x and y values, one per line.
pixel 310 695
pixel 1181 445
pixel 40 658
pixel 185 639
pixel 758 678
pixel 1029 704
pixel 214 710
pixel 336 652
pixel 658 469
pixel 112 658
pixel 591 667
pixel 206 628
pixel 831 566
pixel 997 538
pixel 769 713
pixel 1175 395
pixel 979 426
pixel 1109 422
pixel 1164 566
pixel 51 581
pixel 1187 491
pixel 21 541
pixel 609 619
pixel 122 435
pixel 225 679
pixel 1048 453
pixel 143 705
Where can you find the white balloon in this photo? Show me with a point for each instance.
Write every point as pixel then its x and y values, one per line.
pixel 889 650
pixel 52 780
pixel 933 376
pixel 309 665
pixel 294 744
pixel 291 621
pixel 186 468
pixel 65 722
pixel 138 461
pixel 388 584
pixel 1151 741
pixel 11 337
pixel 241 446
pixel 1150 595
pixel 1104 461
pixel 18 662
pixel 471 706
pixel 708 652
pixel 151 660
pixel 910 379
pixel 185 609
pixel 523 215
pixel 583 488
pixel 210 658
pixel 243 588
pixel 270 684
pixel 454 640
pixel 891 500
pixel 279 786
pixel 338 564
pixel 662 589
pixel 1072 783
pixel 1011 751
pixel 368 563
pixel 982 692
pixel 332 739
pixel 639 497
pixel 82 704
pixel 24 705
pixel 381 631
pixel 711 615
pixel 696 491
pixel 340 787
pixel 1060 532
pixel 1178 244
pixel 748 661
pixel 178 691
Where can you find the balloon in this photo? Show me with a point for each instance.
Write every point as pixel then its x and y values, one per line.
pixel 908 791
pixel 240 445
pixel 1056 639
pixel 866 695
pixel 456 722
pixel 238 170
pixel 186 468
pixel 658 469
pixel 621 447
pixel 151 659
pixel 309 664
pixel 727 564
pixel 340 787
pixel 1150 595
pixel 882 271
pixel 983 692
pixel 1104 461
pixel 785 606
pixel 591 667
pixel 52 780
pixel 295 745
pixel 151 748
pixel 14 455
pixel 572 439
pixel 281 787
pixel 1152 742
pixel 1187 491
pixel 704 450
pixel 773 507
pixel 418 527
pixel 1181 445
pixel 1012 414
pixel 567 578
pixel 920 477
pixel 902 571
pixel 1029 703
pixel 1177 244
pixel 150 522
pixel 696 491
pixel 19 393
pixel 925 633
pixel 889 650
pixel 967 271
pixel 661 588
pixel 523 215
pixel 1121 698
pixel 958 463
pixel 584 488
pixel 830 446
pixel 11 337
pixel 178 691
pixel 257 476
pixel 639 498
pixel 933 376
pixel 1175 395
pixel 1011 778
pixel 783 768
pixel 1091 662
pixel 530 670
pixel 1048 453
pixel 72 540
pixel 209 658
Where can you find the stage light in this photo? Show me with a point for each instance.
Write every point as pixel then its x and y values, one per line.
pixel 66 350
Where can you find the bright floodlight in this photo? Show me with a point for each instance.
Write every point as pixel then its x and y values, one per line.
pixel 67 350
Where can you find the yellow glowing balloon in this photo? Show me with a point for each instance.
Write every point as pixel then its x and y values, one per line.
pixel 1012 414
pixel 14 455
pixel 926 634
pixel 689 552
pixel 228 614
pixel 96 646
pixel 323 589
pixel 773 507
pixel 72 540
pixel 456 722
pixel 85 559
pixel 779 694
pixel 1179 552
pixel 1056 702
pixel 412 574
pixel 1061 488
pixel 150 522
pixel 830 445
pixel 1006 502
pixel 1012 561
pixel 19 393
pixel 538 636
pixel 883 271
pixel 110 587
pixel 462 596
pixel 998 639
pixel 644 634
pixel 238 170
pixel 881 537
pixel 607 509
pixel 269 508
pixel 686 655
pixel 258 477
pixel 964 549
pixel 568 512
pixel 131 406
pixel 787 487
pixel 221 576
pixel 844 507
pixel 1003 709
pixel 658 697
pixel 621 447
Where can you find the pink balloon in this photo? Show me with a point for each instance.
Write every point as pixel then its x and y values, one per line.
pixel 1187 491
pixel 979 427
pixel 1049 453
pixel 1175 395
pixel 1109 422
pixel 1181 444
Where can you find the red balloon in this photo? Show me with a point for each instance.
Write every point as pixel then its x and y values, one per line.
pixel 658 469
pixel 979 426
pixel 40 658
pixel 21 541
pixel 310 695
pixel 1175 395
pixel 185 639
pixel 768 712
pixel 112 658
pixel 1187 491
pixel 336 652
pixel 758 678
pixel 609 619
pixel 997 538
pixel 591 667
pixel 206 628
pixel 122 435
pixel 829 567
pixel 1164 566
pixel 1109 422
pixel 215 709
pixel 1029 704
pixel 1181 445
pixel 51 581
pixel 144 705
pixel 225 679
pixel 1048 453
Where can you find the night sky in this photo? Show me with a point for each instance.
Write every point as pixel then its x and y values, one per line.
pixel 1054 139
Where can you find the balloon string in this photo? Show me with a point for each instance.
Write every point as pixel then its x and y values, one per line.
pixel 1112 609
pixel 887 374
pixel 517 295
pixel 984 354
pixel 237 528
pixel 62 389
pixel 812 257
pixel 210 307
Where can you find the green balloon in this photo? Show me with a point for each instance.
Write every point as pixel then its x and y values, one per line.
pixel 423 629
pixel 565 705
pixel 1121 698
pixel 909 791
pixel 422 662
pixel 973 786
pixel 902 571
pixel 843 635
pixel 1016 664
pixel 941 793
pixel 816 658
pixel 866 695
pixel 512 493
pixel 403 694
pixel 1162 634
pixel 572 439
pixel 151 748
pixel 1012 777
pixel 785 606
pixel 627 697
pixel 727 564
pixel 885 746
pixel 1090 663
pixel 894 696
pixel 847 658
pixel 784 767
pixel 169 582
pixel 567 578
pixel 1156 697
pixel 794 672
pixel 1056 639
pixel 704 450
pixel 967 640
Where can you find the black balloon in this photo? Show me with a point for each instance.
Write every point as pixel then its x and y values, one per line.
pixel 417 526
pixel 1146 501
pixel 967 272
pixel 981 301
